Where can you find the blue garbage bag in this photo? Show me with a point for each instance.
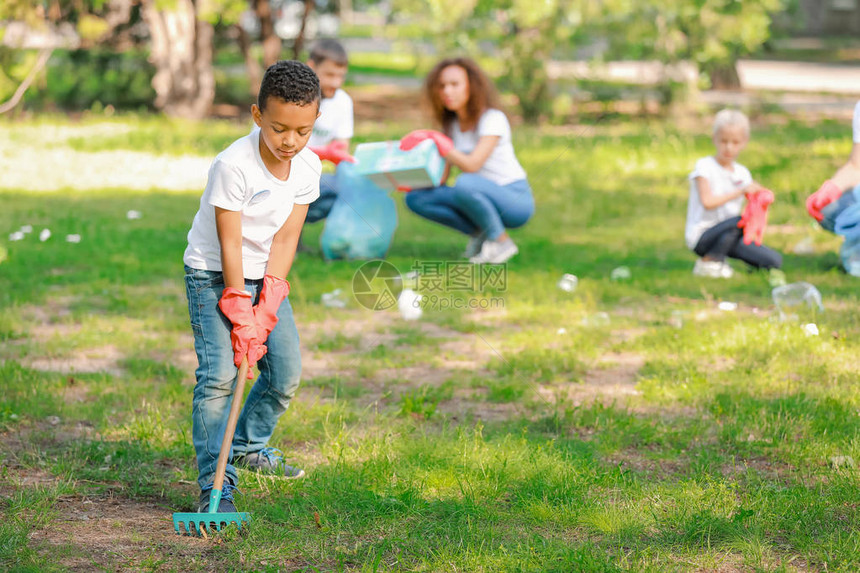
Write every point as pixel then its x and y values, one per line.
pixel 362 220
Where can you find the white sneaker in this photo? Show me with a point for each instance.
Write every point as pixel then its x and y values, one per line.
pixel 495 252
pixel 473 247
pixel 713 269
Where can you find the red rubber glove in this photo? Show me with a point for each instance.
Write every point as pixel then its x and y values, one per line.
pixel 826 194
pixel 754 218
pixel 335 151
pixel 413 138
pixel 273 293
pixel 237 306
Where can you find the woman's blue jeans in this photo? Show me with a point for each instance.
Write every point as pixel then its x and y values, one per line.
pixel 280 370
pixel 475 205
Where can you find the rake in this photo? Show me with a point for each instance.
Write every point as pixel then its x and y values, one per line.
pixel 198 523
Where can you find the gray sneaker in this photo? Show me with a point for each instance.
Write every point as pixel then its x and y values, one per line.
pixel 270 461
pixel 226 504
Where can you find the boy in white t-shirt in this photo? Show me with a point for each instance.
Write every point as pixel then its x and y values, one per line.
pixel 334 128
pixel 830 199
pixel 717 188
pixel 240 249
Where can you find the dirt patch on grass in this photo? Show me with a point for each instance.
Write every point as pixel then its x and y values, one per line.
pixel 112 533
pixel 100 359
pixel 612 379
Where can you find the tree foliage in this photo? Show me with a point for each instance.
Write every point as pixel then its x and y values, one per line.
pixel 525 35
pixel 713 34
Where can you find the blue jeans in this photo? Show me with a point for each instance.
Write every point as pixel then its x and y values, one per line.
pixel 832 211
pixel 280 370
pixel 475 205
pixel 320 208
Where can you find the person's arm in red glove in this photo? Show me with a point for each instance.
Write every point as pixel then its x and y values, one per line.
pixel 826 194
pixel 236 303
pixel 754 218
pixel 467 162
pixel 413 138
pixel 272 294
pixel 336 151
pixel 236 306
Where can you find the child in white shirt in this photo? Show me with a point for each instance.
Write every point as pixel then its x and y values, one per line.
pixel 240 249
pixel 717 188
pixel 334 128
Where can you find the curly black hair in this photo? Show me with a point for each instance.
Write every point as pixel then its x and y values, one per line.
pixel 291 82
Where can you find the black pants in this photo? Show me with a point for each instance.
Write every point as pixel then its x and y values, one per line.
pixel 725 239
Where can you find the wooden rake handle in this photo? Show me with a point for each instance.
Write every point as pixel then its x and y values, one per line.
pixel 227 443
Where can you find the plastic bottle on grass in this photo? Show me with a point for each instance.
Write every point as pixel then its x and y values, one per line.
pixel 797 296
pixel 568 282
pixel 620 274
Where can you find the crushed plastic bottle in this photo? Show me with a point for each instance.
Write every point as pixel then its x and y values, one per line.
pixel 727 306
pixel 333 299
pixel 73 238
pixel 409 304
pixel 132 214
pixel 26 229
pixel 810 329
pixel 568 282
pixel 45 235
pixel 620 274
pixel 16 236
pixel 796 295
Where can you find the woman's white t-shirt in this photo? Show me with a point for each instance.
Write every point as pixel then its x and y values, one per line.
pixel 722 181
pixel 240 181
pixel 501 166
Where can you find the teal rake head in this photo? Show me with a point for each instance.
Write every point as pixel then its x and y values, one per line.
pixel 199 523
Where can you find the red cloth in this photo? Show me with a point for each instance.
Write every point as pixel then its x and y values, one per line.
pixel 754 218
pixel 826 194
pixel 413 138
pixel 237 307
pixel 273 293
pixel 335 151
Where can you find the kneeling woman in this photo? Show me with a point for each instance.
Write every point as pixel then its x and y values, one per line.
pixel 492 193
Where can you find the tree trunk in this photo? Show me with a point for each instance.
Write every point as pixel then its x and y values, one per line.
pixel 252 66
pixel 271 42
pixel 724 77
pixel 299 44
pixel 184 81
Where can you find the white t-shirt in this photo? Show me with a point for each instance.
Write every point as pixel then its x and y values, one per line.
pixel 501 166
pixel 722 181
pixel 857 123
pixel 335 120
pixel 240 181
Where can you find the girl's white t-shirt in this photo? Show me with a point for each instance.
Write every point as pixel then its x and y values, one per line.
pixel 722 181
pixel 857 123
pixel 501 166
pixel 240 181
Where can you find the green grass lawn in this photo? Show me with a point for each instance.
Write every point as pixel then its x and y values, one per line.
pixel 628 426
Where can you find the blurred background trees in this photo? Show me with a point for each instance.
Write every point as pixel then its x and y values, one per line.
pixel 192 57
